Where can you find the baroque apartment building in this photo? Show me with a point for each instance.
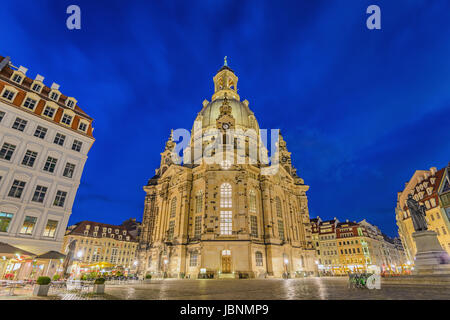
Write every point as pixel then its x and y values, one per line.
pixel 225 219
pixel 431 188
pixel 103 244
pixel 44 141
pixel 343 247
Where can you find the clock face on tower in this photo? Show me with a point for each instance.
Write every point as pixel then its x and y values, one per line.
pixel 284 159
pixel 225 126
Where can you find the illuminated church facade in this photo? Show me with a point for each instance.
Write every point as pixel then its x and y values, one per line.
pixel 226 219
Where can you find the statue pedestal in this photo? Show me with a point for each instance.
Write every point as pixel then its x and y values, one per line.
pixel 430 257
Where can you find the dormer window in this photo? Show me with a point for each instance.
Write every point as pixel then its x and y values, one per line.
pixel 83 126
pixel 88 227
pixel 66 119
pixel 54 96
pixel 17 78
pixel 70 103
pixel 37 87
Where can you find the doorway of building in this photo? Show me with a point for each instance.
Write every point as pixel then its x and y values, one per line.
pixel 226 261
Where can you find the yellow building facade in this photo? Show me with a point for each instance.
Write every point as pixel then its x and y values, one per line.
pixel 227 218
pixel 101 246
pixel 425 186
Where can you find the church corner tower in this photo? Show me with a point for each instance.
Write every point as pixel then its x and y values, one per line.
pixel 225 219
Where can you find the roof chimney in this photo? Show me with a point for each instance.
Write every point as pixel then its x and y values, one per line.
pixel 23 69
pixel 55 86
pixel 39 78
pixel 433 170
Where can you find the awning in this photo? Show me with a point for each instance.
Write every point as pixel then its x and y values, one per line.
pixel 10 251
pixel 51 255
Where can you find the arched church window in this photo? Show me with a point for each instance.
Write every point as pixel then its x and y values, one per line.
pixel 173 207
pixel 149 263
pixel 259 259
pixel 278 207
pixel 226 216
pixel 199 202
pixel 252 200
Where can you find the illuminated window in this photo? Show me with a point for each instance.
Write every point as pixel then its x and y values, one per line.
pixel 173 207
pixel 28 225
pixel 225 164
pixel 50 228
pixel 226 216
pixel 225 196
pixel 5 220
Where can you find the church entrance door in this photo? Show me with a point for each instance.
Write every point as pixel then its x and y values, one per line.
pixel 226 261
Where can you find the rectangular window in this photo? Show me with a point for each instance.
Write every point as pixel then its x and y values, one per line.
pixel 2 115
pixel 254 226
pixel 198 226
pixel 60 198
pixel 7 151
pixel 19 124
pixel 171 230
pixel 5 220
pixel 59 139
pixel 54 96
pixel 40 132
pixel 17 78
pixel 83 126
pixel 28 225
pixel 49 112
pixel 226 222
pixel 69 170
pixel 66 119
pixel 50 228
pixel 281 229
pixel 50 164
pixel 16 189
pixel 8 95
pixel 76 145
pixel 30 103
pixel 29 158
pixel 70 104
pixel 39 194
pixel 37 87
pixel 198 203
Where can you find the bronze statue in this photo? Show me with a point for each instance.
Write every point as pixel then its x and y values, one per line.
pixel 417 214
pixel 69 257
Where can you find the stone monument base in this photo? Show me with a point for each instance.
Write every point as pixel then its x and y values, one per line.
pixel 430 257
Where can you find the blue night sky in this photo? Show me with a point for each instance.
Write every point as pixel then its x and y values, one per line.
pixel 360 110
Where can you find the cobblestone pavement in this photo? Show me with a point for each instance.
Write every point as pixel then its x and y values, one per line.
pixel 254 289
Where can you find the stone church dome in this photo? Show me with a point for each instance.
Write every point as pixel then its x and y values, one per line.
pixel 239 111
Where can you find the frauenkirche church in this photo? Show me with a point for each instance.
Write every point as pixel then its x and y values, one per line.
pixel 226 220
